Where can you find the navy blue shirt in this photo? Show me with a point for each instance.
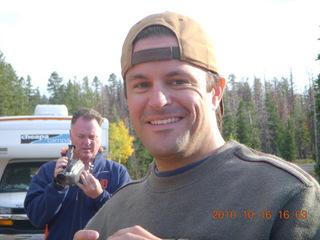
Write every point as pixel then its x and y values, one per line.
pixel 179 170
pixel 65 210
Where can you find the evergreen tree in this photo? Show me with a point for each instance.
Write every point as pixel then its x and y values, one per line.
pixel 301 127
pixel 317 166
pixel 113 94
pixel 289 148
pixel 233 99
pixel 72 96
pixel 97 95
pixel 56 88
pixel 243 124
pixel 142 159
pixel 87 95
pixel 274 126
pixel 247 129
pixel 33 95
pixel 229 130
pixel 21 96
pixel 229 127
pixel 12 95
pixel 317 121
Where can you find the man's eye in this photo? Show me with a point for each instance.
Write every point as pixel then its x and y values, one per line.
pixel 179 82
pixel 142 85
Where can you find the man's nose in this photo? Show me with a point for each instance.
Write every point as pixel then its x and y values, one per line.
pixel 87 140
pixel 159 97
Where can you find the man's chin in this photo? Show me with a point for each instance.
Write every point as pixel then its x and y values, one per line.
pixel 86 157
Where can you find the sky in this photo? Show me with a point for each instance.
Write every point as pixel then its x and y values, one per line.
pixel 78 38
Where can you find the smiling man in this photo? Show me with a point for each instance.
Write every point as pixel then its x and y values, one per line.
pixel 168 105
pixel 65 209
pixel 199 186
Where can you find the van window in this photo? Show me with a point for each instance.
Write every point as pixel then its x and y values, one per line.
pixel 17 176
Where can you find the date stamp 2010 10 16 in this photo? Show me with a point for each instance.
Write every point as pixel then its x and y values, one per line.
pixel 259 215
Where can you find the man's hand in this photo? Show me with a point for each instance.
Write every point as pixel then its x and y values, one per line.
pixel 90 185
pixel 60 165
pixel 134 233
pixel 86 235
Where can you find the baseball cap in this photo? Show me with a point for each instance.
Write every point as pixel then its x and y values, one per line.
pixel 195 46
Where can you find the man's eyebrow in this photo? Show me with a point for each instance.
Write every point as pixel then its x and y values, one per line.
pixel 136 76
pixel 169 74
pixel 177 73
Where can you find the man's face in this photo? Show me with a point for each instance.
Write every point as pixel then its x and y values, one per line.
pixel 86 136
pixel 169 106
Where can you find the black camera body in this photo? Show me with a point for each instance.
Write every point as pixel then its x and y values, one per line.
pixel 71 174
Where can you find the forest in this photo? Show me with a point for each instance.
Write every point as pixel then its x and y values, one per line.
pixel 269 115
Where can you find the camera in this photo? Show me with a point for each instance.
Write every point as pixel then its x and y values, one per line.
pixel 71 174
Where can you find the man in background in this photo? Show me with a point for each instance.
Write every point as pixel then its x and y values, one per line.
pixel 65 209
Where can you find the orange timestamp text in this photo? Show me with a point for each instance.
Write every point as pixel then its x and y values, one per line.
pixel 259 215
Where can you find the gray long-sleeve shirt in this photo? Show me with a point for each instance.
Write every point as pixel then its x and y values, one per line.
pixel 237 193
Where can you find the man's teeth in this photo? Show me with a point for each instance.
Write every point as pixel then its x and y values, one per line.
pixel 166 121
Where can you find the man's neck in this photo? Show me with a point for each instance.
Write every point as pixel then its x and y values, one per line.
pixel 168 163
pixel 88 163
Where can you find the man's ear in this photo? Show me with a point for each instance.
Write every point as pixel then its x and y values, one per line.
pixel 217 92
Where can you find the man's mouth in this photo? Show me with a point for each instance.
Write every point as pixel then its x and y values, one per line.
pixel 165 121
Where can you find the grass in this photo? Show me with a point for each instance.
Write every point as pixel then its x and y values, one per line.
pixel 304 161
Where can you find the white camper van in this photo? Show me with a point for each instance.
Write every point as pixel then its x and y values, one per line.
pixel 26 142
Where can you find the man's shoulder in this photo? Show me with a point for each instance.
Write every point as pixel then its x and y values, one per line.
pixel 273 163
pixel 102 161
pixel 113 164
pixel 49 165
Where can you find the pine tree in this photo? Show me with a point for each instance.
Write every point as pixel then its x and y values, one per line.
pixel 87 94
pixel 72 96
pixel 229 130
pixel 289 148
pixel 143 158
pixel 274 126
pixel 14 101
pixel 243 124
pixel 56 88
pixel 317 121
pixel 97 95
